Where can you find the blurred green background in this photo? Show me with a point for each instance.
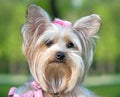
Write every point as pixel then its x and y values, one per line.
pixel 104 74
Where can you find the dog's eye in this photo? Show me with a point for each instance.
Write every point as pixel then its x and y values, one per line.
pixel 70 45
pixel 48 43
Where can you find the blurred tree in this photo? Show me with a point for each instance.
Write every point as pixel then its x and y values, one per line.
pixel 12 16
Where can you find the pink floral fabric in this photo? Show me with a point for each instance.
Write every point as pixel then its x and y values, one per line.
pixel 36 92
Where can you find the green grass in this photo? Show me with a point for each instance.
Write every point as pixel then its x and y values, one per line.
pixel 106 91
pixel 103 86
pixel 4 89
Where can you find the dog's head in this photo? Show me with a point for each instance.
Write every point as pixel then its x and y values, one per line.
pixel 59 52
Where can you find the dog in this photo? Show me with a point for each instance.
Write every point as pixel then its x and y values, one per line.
pixel 59 53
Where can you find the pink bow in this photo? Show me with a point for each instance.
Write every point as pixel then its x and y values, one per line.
pixel 37 92
pixel 62 23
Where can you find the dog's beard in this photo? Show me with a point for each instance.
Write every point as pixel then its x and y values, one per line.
pixel 57 77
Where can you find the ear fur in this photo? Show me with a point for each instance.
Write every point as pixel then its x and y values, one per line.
pixel 36 19
pixel 89 24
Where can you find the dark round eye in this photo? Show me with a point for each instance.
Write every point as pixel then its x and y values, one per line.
pixel 48 43
pixel 70 45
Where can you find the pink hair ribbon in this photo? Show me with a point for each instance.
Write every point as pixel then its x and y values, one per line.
pixel 62 23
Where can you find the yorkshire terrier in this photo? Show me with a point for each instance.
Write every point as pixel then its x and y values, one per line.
pixel 59 53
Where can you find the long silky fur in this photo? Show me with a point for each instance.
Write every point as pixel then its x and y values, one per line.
pixel 64 78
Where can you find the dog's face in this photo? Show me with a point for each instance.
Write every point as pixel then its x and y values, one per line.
pixel 58 52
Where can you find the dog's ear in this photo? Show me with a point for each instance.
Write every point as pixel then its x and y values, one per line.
pixel 88 25
pixel 36 21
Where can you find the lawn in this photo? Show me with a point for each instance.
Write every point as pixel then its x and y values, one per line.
pixel 107 91
pixel 104 86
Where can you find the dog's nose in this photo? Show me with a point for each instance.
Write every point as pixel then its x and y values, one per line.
pixel 60 56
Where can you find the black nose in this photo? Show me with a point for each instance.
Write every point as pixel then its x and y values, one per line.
pixel 60 56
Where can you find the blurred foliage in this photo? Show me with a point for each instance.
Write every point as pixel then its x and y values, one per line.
pixel 12 16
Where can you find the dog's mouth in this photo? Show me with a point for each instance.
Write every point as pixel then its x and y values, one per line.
pixel 59 61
